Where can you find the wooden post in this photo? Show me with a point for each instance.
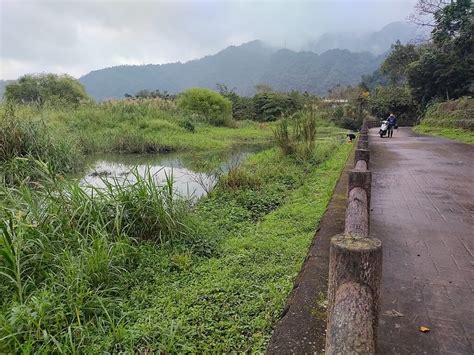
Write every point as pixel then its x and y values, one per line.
pixel 352 320
pixel 362 154
pixel 355 272
pixel 361 177
pixel 357 212
pixel 362 144
pixel 360 165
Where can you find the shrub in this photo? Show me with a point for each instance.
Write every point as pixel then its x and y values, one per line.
pixel 396 99
pixel 209 104
pixel 188 125
pixel 238 178
pixel 42 88
pixel 347 123
pixel 270 106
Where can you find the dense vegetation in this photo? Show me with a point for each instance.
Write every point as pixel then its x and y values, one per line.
pixel 42 88
pixel 452 119
pixel 135 267
pixel 214 107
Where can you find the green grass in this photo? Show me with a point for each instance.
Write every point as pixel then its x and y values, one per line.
pixel 135 268
pixel 141 127
pixel 75 278
pixel 457 134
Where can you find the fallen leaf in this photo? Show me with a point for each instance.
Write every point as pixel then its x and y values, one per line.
pixel 424 329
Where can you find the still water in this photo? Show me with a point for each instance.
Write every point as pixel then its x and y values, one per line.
pixel 194 175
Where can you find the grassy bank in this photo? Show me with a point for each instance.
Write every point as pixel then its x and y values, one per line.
pixel 451 119
pixel 457 134
pixel 146 126
pixel 134 269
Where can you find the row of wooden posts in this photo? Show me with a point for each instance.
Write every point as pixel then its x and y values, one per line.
pixel 355 267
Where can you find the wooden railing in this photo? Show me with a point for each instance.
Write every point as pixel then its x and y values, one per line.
pixel 355 267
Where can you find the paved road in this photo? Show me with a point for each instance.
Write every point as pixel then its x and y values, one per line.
pixel 423 206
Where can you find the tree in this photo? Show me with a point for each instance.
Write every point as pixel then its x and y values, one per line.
pixel 263 88
pixel 207 103
pixel 396 64
pixel 396 99
pixel 454 25
pixel 42 88
pixel 274 105
pixel 425 11
pixel 445 69
pixel 371 81
pixel 242 106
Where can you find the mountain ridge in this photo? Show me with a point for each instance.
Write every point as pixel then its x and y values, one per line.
pixel 242 67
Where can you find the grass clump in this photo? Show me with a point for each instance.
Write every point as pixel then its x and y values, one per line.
pixel 23 140
pixel 296 135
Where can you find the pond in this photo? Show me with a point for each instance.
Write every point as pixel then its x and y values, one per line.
pixel 193 174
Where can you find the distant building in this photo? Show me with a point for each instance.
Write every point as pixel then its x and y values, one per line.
pixel 336 101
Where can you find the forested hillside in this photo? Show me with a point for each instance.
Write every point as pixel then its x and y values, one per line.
pixel 241 67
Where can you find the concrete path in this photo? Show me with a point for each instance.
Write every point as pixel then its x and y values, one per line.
pixel 422 209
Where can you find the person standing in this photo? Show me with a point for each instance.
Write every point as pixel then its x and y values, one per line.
pixel 392 122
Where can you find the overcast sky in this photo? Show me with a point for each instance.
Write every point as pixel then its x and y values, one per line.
pixel 75 37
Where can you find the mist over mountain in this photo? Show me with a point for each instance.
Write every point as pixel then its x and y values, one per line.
pixel 377 42
pixel 240 67
pixel 332 59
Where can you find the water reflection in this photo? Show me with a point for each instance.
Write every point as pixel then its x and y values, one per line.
pixel 194 175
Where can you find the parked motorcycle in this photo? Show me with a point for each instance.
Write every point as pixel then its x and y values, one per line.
pixel 383 129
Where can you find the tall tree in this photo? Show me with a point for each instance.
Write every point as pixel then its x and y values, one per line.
pixel 445 68
pixel 396 64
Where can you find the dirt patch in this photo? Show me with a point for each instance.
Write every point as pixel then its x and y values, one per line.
pixel 302 327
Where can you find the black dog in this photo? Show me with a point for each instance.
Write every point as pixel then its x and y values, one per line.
pixel 351 136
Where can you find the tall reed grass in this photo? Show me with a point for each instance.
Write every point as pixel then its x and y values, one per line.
pixel 23 140
pixel 296 135
pixel 64 249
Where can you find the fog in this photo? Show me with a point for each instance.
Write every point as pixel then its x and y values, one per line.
pixel 76 37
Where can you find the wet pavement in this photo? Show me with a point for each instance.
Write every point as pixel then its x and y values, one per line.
pixel 422 210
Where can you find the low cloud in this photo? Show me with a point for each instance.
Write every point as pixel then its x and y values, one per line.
pixel 77 37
